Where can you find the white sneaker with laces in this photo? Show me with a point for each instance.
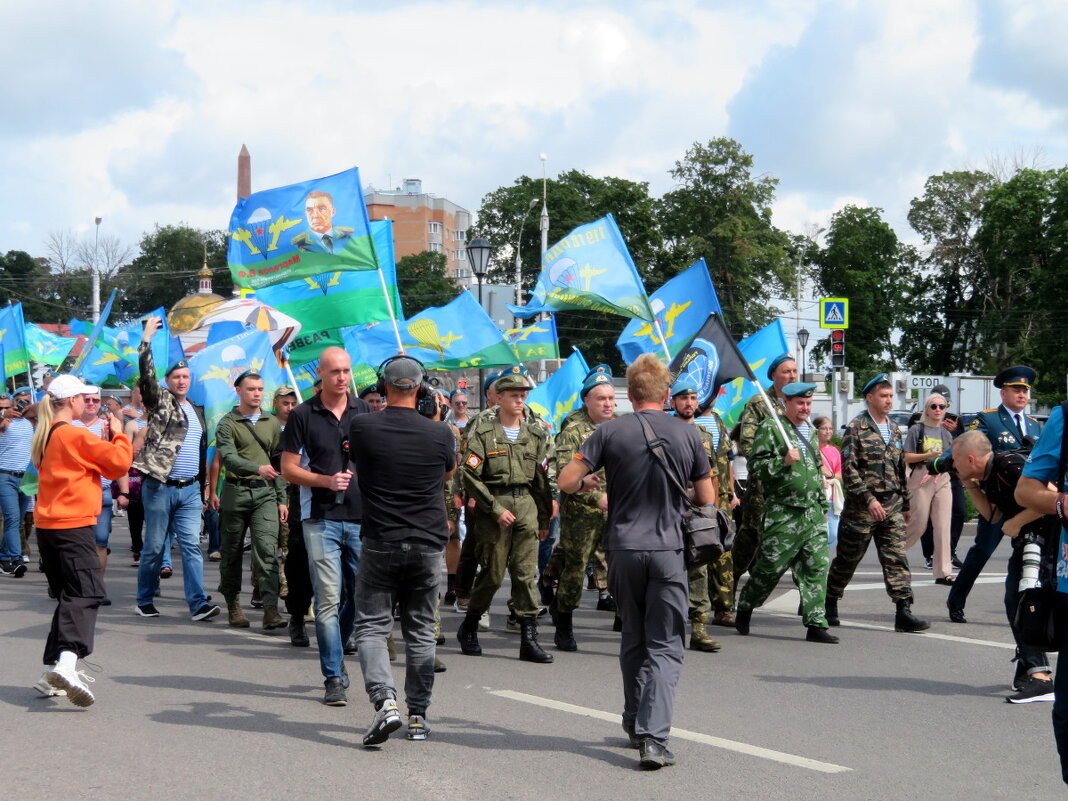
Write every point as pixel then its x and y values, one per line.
pixel 74 682
pixel 484 622
pixel 47 690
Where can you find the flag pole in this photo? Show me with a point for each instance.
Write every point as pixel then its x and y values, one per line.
pixel 774 412
pixel 660 333
pixel 283 356
pixel 389 308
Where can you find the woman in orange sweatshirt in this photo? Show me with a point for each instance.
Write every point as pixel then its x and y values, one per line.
pixel 70 461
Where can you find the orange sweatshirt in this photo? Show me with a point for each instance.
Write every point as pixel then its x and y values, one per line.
pixel 68 495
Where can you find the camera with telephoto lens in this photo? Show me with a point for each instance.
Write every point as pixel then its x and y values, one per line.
pixel 1032 561
pixel 942 463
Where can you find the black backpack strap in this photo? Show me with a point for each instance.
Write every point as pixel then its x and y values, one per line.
pixel 656 446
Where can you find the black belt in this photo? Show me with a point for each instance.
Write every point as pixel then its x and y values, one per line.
pixel 15 473
pixel 173 482
pixel 252 483
pixel 515 492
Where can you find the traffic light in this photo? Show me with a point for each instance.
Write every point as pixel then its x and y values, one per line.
pixel 838 347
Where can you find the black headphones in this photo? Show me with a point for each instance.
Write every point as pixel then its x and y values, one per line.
pixel 425 402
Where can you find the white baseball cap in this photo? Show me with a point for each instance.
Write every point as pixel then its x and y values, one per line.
pixel 67 386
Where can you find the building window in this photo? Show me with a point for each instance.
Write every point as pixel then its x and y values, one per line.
pixel 461 255
pixel 461 236
pixel 434 227
pixel 434 247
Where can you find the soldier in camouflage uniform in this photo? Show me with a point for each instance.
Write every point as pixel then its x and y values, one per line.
pixel 705 580
pixel 720 583
pixel 504 469
pixel 795 525
pixel 781 371
pixel 583 514
pixel 876 502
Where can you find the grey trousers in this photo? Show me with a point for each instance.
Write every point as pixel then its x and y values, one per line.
pixel 650 592
pixel 409 572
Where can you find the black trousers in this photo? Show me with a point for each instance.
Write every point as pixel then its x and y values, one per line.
pixel 470 555
pixel 298 579
pixel 72 568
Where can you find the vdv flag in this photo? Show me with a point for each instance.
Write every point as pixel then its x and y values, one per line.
pixel 535 341
pixel 711 358
pixel 337 298
pixel 215 368
pixel 681 305
pixel 558 396
pixel 299 231
pixel 47 348
pixel 105 368
pixel 451 337
pixel 758 350
pixel 590 268
pixel 13 339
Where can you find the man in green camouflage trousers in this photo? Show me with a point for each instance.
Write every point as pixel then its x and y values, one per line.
pixel 781 371
pixel 583 514
pixel 876 503
pixel 706 580
pixel 504 470
pixel 795 524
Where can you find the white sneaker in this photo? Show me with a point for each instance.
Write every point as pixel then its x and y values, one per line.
pixel 47 690
pixel 74 682
pixel 484 622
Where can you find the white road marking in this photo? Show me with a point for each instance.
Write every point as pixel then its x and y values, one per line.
pixel 682 734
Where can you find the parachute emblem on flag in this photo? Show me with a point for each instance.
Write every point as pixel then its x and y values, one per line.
pixel 700 361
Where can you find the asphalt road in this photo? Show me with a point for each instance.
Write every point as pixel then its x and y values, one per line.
pixel 200 711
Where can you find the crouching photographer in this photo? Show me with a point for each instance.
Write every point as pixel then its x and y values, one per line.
pixel 990 478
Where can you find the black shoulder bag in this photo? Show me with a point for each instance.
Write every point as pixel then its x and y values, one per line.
pixel 1034 615
pixel 707 533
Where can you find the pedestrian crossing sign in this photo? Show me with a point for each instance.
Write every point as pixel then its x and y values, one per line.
pixel 834 312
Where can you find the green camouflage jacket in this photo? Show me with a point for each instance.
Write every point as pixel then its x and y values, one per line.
pixel 799 485
pixel 721 461
pixel 753 414
pixel 165 426
pixel 871 468
pixel 577 429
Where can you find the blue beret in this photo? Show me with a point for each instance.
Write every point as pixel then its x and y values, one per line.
pixel 799 389
pixel 22 391
pixel 242 377
pixel 600 369
pixel 1018 376
pixel 882 378
pixel 593 380
pixel 685 384
pixel 782 357
pixel 178 365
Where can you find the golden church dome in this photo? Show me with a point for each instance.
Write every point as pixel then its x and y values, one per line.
pixel 190 310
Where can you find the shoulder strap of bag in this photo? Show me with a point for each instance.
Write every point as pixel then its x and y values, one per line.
pixel 48 439
pixel 656 446
pixel 260 442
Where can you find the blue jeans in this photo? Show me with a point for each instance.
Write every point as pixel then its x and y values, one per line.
pixel 14 505
pixel 211 526
pixel 832 530
pixel 411 573
pixel 177 508
pixel 987 538
pixel 103 522
pixel 333 559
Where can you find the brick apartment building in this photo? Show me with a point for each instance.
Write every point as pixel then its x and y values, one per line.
pixel 422 221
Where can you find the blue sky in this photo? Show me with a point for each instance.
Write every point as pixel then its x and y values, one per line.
pixel 136 111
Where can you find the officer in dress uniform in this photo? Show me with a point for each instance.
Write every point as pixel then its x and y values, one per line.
pixel 1006 426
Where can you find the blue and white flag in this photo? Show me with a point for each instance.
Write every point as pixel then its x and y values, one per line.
pixel 558 396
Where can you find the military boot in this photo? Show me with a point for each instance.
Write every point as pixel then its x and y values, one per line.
pixel 741 620
pixel 271 618
pixel 546 590
pixel 699 637
pixel 565 632
pixel 298 634
pixel 529 650
pixel 904 620
pixel 237 615
pixel 831 608
pixel 467 635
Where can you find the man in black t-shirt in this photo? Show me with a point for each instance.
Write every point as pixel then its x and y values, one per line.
pixel 318 431
pixel 643 542
pixel 402 461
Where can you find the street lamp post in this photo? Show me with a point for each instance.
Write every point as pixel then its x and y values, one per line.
pixel 802 341
pixel 478 256
pixel 519 259
pixel 96 272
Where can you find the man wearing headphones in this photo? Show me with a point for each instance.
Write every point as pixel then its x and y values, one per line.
pixel 402 461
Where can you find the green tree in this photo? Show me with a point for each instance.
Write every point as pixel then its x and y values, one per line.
pixel 941 333
pixel 574 198
pixel 422 282
pixel 720 211
pixel 863 260
pixel 166 269
pixel 27 280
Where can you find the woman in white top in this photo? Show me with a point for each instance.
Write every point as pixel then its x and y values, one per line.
pixel 931 497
